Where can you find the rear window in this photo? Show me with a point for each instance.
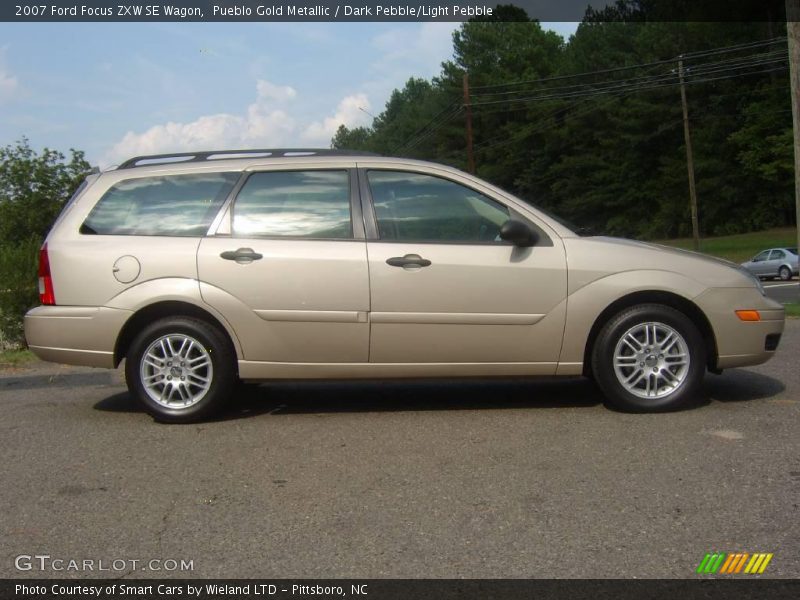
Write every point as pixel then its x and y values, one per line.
pixel 169 205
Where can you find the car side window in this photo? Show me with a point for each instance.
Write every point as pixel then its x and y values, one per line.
pixel 169 205
pixel 418 207
pixel 304 204
pixel 761 256
pixel 777 255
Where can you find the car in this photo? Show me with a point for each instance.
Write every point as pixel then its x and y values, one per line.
pixel 774 262
pixel 202 270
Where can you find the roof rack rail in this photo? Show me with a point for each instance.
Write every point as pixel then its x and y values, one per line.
pixel 206 155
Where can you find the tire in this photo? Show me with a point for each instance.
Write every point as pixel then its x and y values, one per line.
pixel 623 365
pixel 180 369
pixel 785 273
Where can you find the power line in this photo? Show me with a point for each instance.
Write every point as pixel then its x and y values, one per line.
pixel 431 126
pixel 509 140
pixel 737 93
pixel 441 124
pixel 689 55
pixel 702 66
pixel 421 130
pixel 700 73
pixel 637 84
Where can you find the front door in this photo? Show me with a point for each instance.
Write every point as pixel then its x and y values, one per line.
pixel 446 289
pixel 288 267
pixel 761 263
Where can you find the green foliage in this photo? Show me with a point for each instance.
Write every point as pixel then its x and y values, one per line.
pixel 34 187
pixel 613 164
pixel 18 288
pixel 792 310
pixel 15 358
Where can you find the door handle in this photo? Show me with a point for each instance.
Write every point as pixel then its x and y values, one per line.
pixel 242 255
pixel 409 260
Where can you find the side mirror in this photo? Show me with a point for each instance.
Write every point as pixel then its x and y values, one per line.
pixel 518 233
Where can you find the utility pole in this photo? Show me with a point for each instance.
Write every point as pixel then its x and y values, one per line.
pixel 689 160
pixel 793 39
pixel 468 107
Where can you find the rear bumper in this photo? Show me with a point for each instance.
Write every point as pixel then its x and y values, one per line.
pixel 742 343
pixel 75 335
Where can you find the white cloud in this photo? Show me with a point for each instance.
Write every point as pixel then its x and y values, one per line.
pixel 408 50
pixel 349 112
pixel 270 91
pixel 281 117
pixel 415 49
pixel 8 82
pixel 265 123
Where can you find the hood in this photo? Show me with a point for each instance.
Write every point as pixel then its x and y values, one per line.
pixel 593 257
pixel 669 250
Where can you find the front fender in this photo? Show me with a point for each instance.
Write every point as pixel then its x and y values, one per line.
pixel 585 304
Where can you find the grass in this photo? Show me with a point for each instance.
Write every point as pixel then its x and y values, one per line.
pixel 15 358
pixel 741 247
pixel 792 309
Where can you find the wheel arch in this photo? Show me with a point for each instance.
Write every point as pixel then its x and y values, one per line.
pixel 159 310
pixel 687 307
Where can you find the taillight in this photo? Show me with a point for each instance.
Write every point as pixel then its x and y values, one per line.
pixel 46 293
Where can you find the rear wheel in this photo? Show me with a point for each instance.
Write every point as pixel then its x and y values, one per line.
pixel 649 358
pixel 785 273
pixel 180 369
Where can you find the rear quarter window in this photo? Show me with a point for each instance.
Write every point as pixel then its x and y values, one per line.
pixel 168 205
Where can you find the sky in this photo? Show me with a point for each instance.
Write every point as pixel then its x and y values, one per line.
pixel 116 90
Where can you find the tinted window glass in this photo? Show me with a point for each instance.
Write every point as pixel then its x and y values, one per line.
pixel 416 207
pixel 778 255
pixel 171 205
pixel 762 256
pixel 309 204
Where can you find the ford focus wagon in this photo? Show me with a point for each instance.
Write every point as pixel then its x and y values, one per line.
pixel 202 269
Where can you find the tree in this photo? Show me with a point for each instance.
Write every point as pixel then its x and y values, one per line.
pixel 34 188
pixel 549 127
pixel 351 139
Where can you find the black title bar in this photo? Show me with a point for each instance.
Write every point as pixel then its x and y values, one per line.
pixel 394 589
pixel 389 10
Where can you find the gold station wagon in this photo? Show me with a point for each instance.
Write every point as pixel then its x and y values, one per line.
pixel 203 269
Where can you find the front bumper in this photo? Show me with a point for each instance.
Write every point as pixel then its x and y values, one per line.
pixel 75 335
pixel 742 343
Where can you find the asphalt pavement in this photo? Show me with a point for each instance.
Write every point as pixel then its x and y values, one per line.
pixel 390 479
pixel 783 291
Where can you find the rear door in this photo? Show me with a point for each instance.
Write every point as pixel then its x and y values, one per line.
pixel 287 265
pixel 760 264
pixel 776 260
pixel 444 287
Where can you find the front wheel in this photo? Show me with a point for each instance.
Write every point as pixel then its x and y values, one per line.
pixel 785 273
pixel 649 358
pixel 180 369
